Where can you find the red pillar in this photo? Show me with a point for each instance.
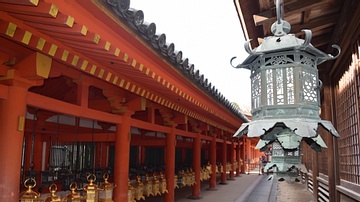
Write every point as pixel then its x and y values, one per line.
pixel 237 156
pixel 243 154
pixel 212 181
pixel 170 165
pixel 121 163
pixel 232 150
pixel 223 162
pixel 12 120
pixel 196 167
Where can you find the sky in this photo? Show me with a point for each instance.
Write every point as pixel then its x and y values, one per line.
pixel 209 34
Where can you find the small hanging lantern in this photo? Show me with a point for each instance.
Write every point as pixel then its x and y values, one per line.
pixel 285 95
pixel 131 192
pixel 53 197
pixel 155 185
pixel 106 190
pixel 148 186
pixel 73 196
pixel 29 195
pixel 91 190
pixel 139 189
pixel 176 182
pixel 163 184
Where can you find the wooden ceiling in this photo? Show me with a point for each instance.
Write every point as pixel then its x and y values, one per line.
pixel 329 20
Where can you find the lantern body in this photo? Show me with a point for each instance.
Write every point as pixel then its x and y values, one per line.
pixel 91 190
pixel 106 190
pixel 285 96
pixel 29 195
pixel 73 196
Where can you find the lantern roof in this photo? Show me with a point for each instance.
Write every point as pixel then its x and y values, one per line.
pixel 284 42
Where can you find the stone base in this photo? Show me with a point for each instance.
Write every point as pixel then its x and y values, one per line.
pixel 194 197
pixel 211 189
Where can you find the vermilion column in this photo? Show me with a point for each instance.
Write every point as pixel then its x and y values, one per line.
pixel 12 120
pixel 243 154
pixel 248 154
pixel 237 156
pixel 170 165
pixel 196 167
pixel 121 163
pixel 232 150
pixel 212 181
pixel 223 162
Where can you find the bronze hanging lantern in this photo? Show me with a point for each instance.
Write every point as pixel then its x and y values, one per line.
pixel 285 95
pixel 29 195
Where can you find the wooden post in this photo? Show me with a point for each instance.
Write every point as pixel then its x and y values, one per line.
pixel 121 163
pixel 196 167
pixel 243 154
pixel 223 162
pixel 237 156
pixel 212 181
pixel 170 164
pixel 315 174
pixel 331 154
pixel 231 154
pixel 12 122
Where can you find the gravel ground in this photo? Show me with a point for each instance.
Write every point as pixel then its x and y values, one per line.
pixel 295 191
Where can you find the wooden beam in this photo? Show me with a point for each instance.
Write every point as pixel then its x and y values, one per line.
pixel 64 32
pixel 316 24
pixel 3 70
pixel 3 91
pixel 42 9
pixel 58 106
pixel 269 16
pixel 61 20
pixel 35 66
pixel 21 2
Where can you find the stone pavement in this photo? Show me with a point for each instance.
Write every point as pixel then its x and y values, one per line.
pixel 246 188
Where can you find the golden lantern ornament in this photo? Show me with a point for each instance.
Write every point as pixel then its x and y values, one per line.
pixel 29 195
pixel 106 190
pixel 53 197
pixel 73 196
pixel 91 189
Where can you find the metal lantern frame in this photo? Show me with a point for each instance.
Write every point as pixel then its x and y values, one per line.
pixel 285 94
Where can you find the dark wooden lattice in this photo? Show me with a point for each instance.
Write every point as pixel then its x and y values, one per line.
pixel 347 116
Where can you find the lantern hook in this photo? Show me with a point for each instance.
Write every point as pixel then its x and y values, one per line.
pixel 281 27
pixel 279 11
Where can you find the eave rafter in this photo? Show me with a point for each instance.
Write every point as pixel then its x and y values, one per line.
pixel 269 16
pixel 69 41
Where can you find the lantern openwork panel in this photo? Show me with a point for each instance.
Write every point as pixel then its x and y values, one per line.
pixel 288 81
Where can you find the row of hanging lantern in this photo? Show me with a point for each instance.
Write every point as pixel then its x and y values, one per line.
pixel 285 97
pixel 91 192
pixel 138 190
pixel 155 185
